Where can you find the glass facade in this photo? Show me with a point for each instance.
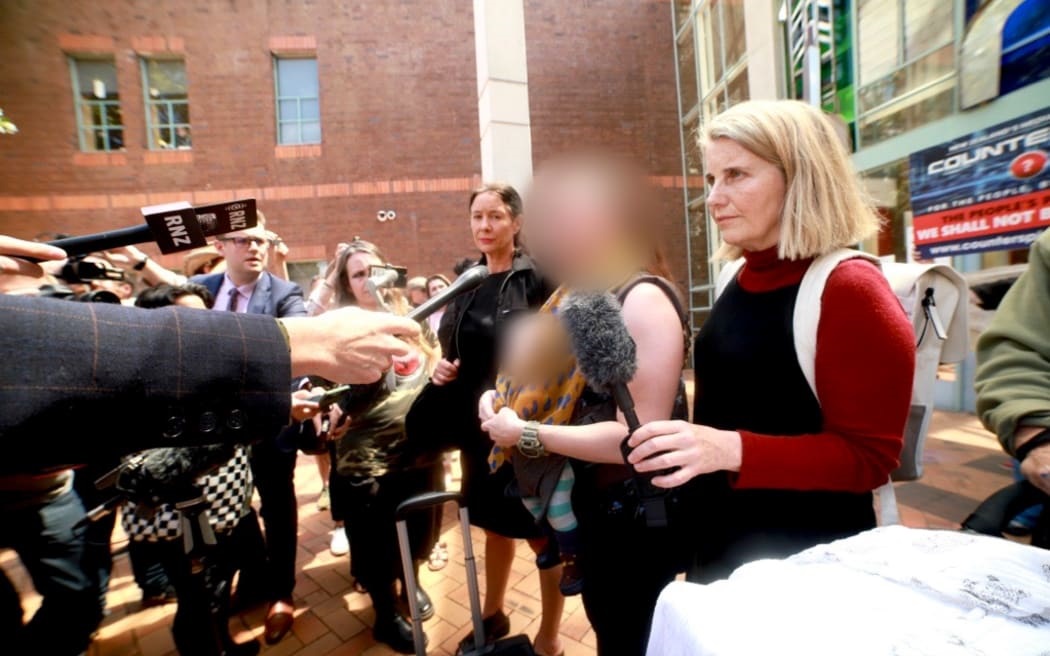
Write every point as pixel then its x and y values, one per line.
pixel 886 68
pixel 905 65
pixel 909 70
pixel 711 50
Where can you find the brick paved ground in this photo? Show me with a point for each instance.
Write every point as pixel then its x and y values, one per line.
pixel 963 466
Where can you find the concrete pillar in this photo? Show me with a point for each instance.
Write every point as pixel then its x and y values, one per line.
pixel 503 91
pixel 765 59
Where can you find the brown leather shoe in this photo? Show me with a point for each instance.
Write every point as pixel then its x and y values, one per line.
pixel 279 621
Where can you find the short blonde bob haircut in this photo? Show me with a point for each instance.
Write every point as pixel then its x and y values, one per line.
pixel 825 207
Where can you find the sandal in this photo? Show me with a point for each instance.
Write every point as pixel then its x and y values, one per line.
pixel 438 557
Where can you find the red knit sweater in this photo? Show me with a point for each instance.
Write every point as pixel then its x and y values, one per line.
pixel 865 362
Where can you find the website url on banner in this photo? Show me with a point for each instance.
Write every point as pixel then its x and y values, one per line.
pixel 974 245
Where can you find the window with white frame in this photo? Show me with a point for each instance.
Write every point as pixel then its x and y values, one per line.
pixel 298 101
pixel 167 104
pixel 100 125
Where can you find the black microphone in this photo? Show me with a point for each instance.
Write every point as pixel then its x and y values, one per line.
pixel 172 226
pixel 607 357
pixel 468 281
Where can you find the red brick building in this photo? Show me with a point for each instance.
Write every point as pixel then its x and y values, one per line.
pixel 124 104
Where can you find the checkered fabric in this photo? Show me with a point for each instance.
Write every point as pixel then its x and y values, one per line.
pixel 228 491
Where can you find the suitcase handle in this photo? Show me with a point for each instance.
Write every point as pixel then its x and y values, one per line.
pixel 424 501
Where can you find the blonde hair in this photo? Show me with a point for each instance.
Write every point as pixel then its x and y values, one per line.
pixel 825 207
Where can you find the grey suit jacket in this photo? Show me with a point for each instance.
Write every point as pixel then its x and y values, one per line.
pixel 272 296
pixel 84 382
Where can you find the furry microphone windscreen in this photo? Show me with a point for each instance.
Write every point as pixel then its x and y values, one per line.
pixel 604 350
pixel 172 467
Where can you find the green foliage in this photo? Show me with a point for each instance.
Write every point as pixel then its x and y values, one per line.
pixel 6 126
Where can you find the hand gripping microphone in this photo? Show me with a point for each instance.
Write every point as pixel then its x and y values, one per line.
pixel 468 281
pixel 607 357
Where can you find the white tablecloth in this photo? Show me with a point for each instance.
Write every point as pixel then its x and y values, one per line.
pixel 891 590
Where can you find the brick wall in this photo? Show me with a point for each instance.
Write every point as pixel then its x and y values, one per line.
pixel 398 111
pixel 601 74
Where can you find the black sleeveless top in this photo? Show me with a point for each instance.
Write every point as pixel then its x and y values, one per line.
pixel 748 378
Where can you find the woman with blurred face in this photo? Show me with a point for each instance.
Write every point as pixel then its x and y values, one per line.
pixel 784 457
pixel 590 226
pixel 470 334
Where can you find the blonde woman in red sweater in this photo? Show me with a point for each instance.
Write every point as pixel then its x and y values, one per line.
pixel 777 467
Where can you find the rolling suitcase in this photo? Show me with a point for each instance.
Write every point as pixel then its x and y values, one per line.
pixel 513 646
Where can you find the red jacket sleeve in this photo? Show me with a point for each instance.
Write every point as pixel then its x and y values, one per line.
pixel 865 364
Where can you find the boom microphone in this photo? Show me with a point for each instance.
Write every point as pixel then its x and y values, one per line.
pixel 604 350
pixel 173 226
pixel 468 281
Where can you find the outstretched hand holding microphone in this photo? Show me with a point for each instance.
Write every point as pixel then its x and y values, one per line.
pixel 447 371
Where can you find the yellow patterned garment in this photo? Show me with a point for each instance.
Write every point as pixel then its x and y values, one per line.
pixel 550 401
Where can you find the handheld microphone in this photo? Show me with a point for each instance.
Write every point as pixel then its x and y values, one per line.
pixel 383 278
pixel 604 350
pixel 468 281
pixel 173 226
pixel 607 357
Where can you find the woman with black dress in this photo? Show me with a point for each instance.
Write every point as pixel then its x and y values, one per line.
pixel 470 334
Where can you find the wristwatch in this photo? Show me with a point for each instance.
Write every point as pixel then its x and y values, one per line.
pixel 529 444
pixel 141 264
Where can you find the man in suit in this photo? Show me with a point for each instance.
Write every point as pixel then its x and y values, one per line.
pixel 101 381
pixel 247 287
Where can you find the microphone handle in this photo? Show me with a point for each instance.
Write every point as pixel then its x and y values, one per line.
pixel 101 241
pixel 430 306
pixel 373 289
pixel 652 504
pixel 625 403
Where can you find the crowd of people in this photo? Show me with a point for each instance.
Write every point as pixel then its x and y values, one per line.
pixel 774 457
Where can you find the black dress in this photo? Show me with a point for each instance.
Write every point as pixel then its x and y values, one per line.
pixel 748 378
pixel 486 492
pixel 448 414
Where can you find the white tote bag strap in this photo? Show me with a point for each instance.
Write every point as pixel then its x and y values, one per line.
pixel 806 318
pixel 727 274
pixel 805 322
